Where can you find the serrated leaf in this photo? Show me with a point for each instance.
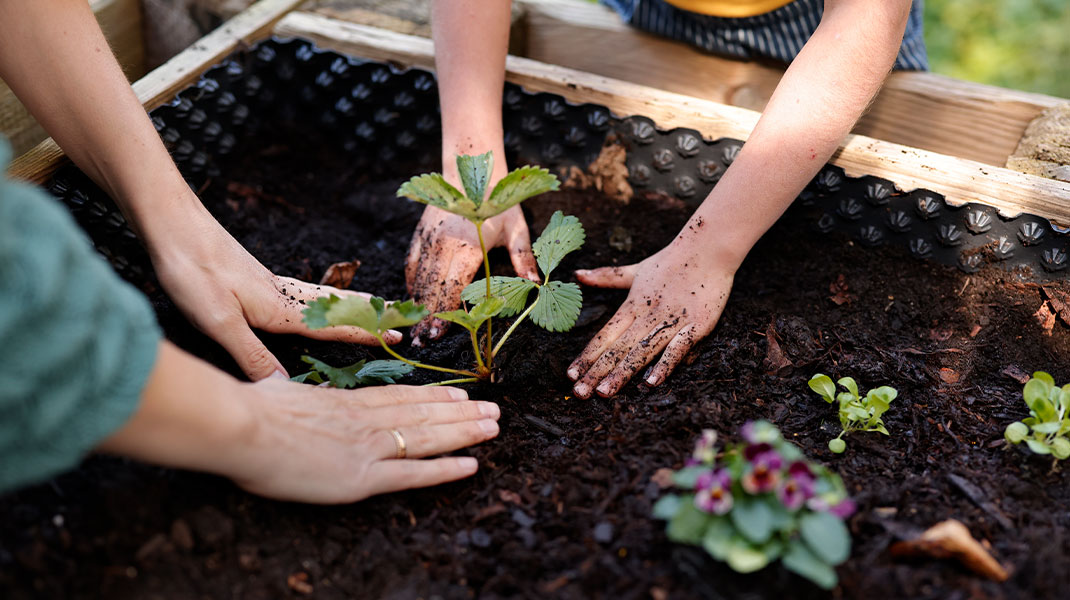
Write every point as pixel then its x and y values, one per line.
pixel 433 189
pixel 373 315
pixel 558 306
pixel 475 173
pixel 826 536
pixel 398 314
pixel 471 320
pixel 383 372
pixel 514 188
pixel 666 507
pixel 312 376
pixel 376 372
pixel 562 235
pixel 344 377
pixel 514 290
pixel 801 561
pixel 822 384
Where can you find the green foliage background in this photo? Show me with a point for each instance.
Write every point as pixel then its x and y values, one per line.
pixel 1020 44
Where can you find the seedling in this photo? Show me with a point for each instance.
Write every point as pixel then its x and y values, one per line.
pixel 1044 431
pixel 760 501
pixel 856 413
pixel 557 304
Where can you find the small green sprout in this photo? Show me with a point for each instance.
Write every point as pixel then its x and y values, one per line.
pixel 556 306
pixel 856 413
pixel 1044 431
pixel 376 372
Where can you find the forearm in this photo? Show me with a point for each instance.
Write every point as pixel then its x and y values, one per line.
pixel 191 416
pixel 471 42
pixel 56 60
pixel 819 99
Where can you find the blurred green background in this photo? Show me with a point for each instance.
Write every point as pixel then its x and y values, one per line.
pixel 1020 44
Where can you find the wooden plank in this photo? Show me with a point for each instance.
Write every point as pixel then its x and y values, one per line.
pixel 166 80
pixel 121 22
pixel 959 180
pixel 924 110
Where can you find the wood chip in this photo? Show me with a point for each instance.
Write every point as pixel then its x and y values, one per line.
pixel 340 274
pixel 1045 318
pixel 949 375
pixel 775 360
pixel 1016 373
pixel 510 496
pixel 838 289
pixel 1059 301
pixel 298 582
pixel 951 539
pixel 662 477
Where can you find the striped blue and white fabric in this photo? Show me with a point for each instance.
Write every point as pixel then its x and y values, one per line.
pixel 777 35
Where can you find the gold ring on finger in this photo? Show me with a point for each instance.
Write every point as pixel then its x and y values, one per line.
pixel 399 442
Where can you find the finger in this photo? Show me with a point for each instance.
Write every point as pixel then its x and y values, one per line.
pixel 638 357
pixel 462 269
pixel 392 395
pixel 432 413
pixel 610 358
pixel 675 351
pixel 519 246
pixel 427 289
pixel 429 440
pixel 608 277
pixel 396 475
pixel 248 351
pixel 609 333
pixel 290 319
pixel 421 238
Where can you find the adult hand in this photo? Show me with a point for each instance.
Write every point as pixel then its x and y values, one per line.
pixel 676 298
pixel 225 293
pixel 445 256
pixel 330 446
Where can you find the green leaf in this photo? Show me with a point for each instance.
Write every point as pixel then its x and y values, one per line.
pixel 358 373
pixel 514 290
pixel 689 523
pixel 514 188
pixel 1038 447
pixel 717 540
pixel 837 445
pixel 434 190
pixel 801 561
pixel 1037 394
pixel 471 320
pixel 745 558
pixel 880 428
pixel 1060 448
pixel 1044 377
pixel 397 314
pixel 1047 428
pixel 753 519
pixel 558 306
pixel 826 535
pixel 312 376
pixel 1016 432
pixel 564 234
pixel 688 476
pixel 822 384
pixel 475 173
pixel 667 506
pixel 849 383
pixel 370 314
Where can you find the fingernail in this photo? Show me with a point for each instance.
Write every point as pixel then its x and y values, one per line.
pixel 582 272
pixel 582 390
pixel 468 463
pixel 279 375
pixel 417 342
pixel 457 394
pixel 489 409
pixel 489 427
pixel 604 390
pixel 651 381
pixel 573 373
pixel 433 334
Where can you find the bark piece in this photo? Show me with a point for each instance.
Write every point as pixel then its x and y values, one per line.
pixel 607 174
pixel 951 539
pixel 340 274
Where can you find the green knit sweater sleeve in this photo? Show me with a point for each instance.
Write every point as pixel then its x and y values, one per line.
pixel 77 343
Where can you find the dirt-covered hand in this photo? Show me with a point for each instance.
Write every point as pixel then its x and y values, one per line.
pixel 226 293
pixel 445 256
pixel 328 446
pixel 676 298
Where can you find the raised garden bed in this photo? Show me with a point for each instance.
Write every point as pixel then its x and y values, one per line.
pixel 561 505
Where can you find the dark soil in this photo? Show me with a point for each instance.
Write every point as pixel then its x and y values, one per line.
pixel 560 507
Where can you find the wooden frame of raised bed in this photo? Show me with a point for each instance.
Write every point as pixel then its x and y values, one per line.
pixel 959 180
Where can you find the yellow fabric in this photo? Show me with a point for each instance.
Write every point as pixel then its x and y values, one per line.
pixel 729 8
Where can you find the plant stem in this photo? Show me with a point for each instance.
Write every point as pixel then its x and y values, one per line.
pixel 486 270
pixel 421 365
pixel 509 332
pixel 475 345
pixel 452 381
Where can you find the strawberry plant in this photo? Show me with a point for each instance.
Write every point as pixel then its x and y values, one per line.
pixel 762 500
pixel 857 413
pixel 555 308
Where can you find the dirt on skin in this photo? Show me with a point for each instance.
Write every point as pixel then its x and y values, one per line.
pixel 560 507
